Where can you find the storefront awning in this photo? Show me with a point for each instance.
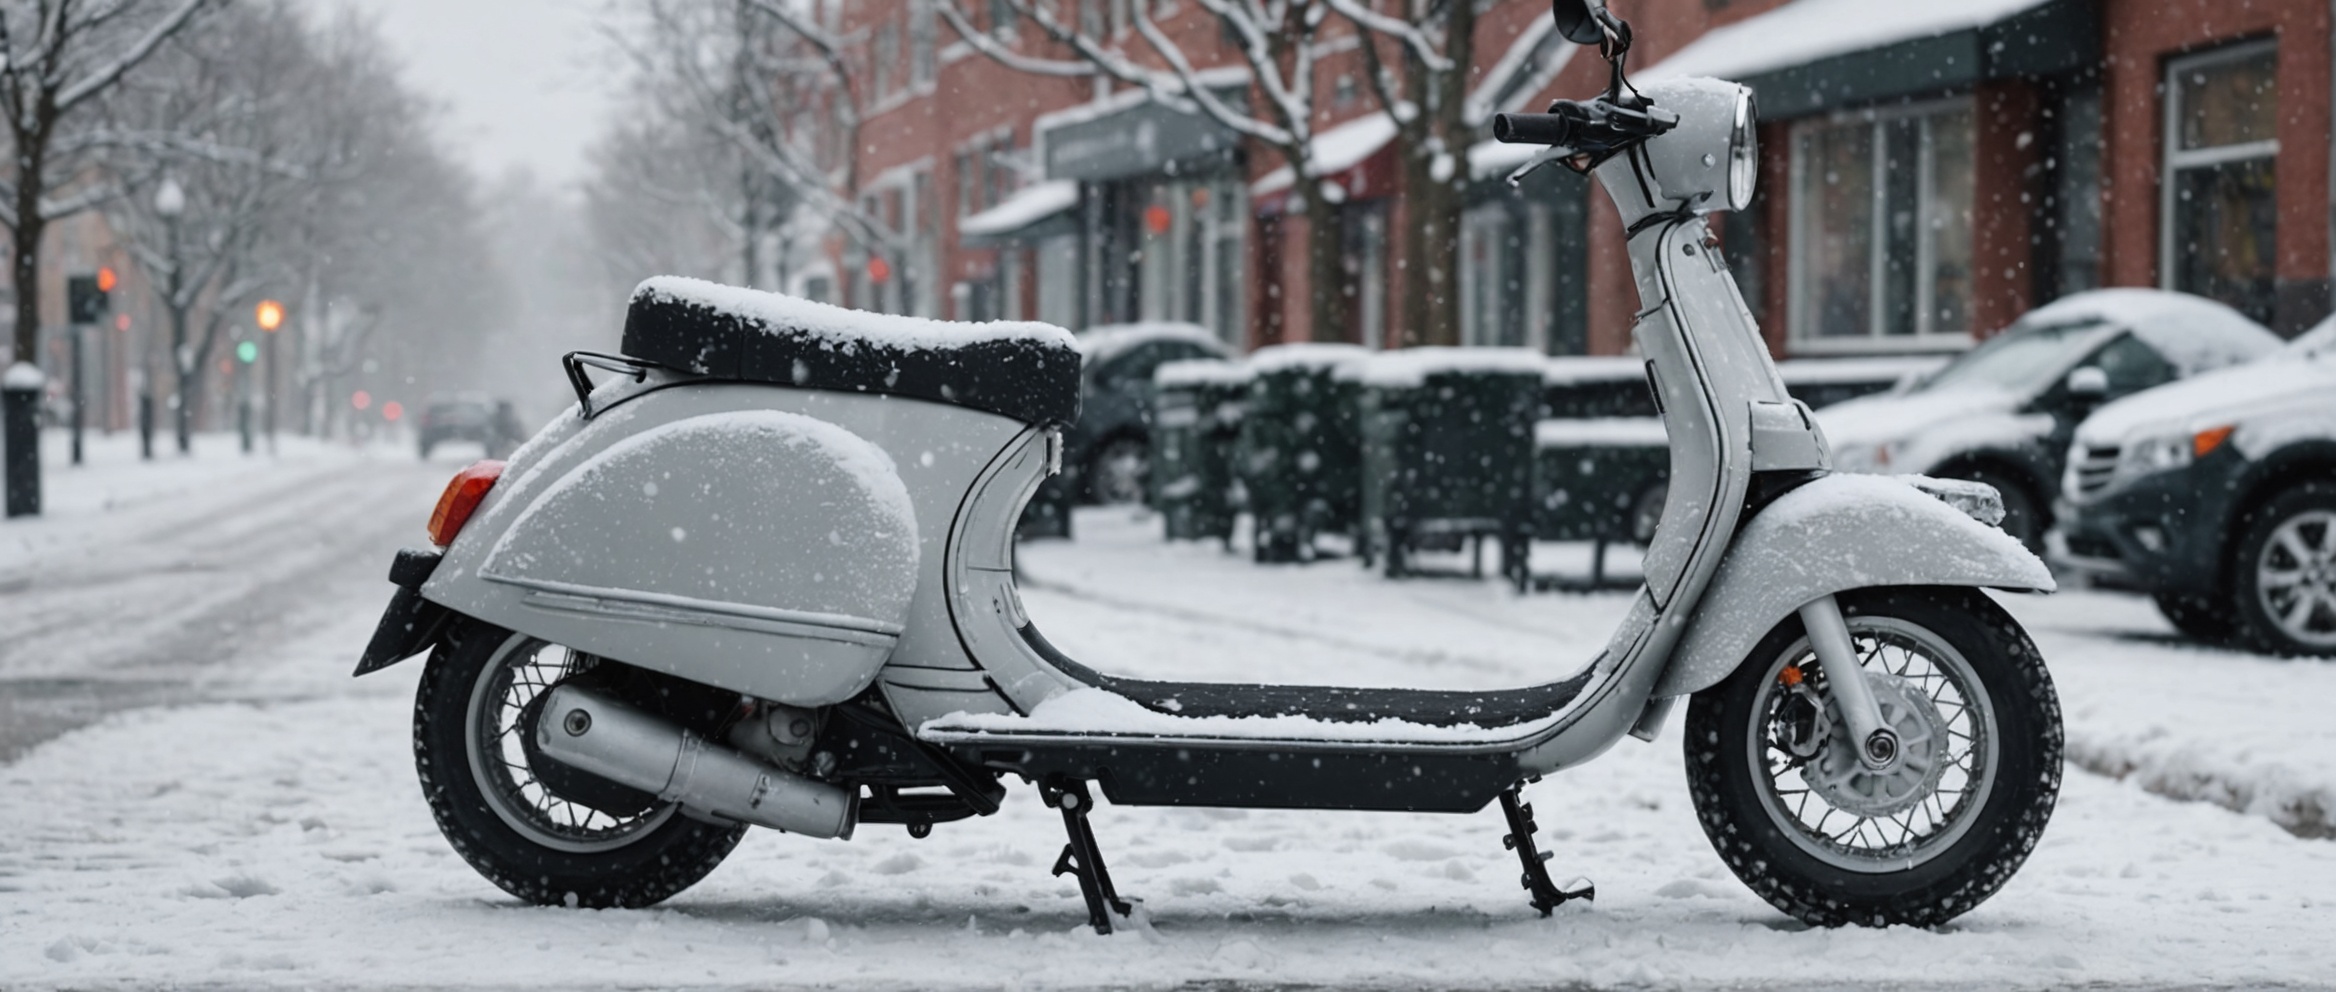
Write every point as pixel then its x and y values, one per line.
pixel 1134 135
pixel 1033 212
pixel 1811 56
pixel 1335 151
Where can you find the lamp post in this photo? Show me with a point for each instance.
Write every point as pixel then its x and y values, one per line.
pixel 270 315
pixel 170 201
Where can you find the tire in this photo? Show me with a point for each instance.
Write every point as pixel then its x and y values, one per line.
pixel 2285 574
pixel 1952 854
pixel 2200 618
pixel 1119 471
pixel 2023 515
pixel 634 861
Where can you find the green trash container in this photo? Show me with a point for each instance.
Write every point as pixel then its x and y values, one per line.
pixel 1577 387
pixel 1601 480
pixel 1448 454
pixel 1300 456
pixel 1196 425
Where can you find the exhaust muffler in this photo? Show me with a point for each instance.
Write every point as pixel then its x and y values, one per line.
pixel 594 733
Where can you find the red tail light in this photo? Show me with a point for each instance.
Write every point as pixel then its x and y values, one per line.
pixel 461 497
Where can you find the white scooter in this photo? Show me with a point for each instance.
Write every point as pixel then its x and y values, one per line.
pixel 763 576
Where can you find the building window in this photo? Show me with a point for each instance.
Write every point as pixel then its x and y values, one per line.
pixel 922 42
pixel 887 56
pixel 1881 227
pixel 2220 203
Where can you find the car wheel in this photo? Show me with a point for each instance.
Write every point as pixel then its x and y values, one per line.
pixel 2198 617
pixel 1118 471
pixel 2286 572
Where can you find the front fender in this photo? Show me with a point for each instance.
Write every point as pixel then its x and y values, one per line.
pixel 1835 534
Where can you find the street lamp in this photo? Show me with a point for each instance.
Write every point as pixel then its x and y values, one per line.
pixel 270 315
pixel 170 201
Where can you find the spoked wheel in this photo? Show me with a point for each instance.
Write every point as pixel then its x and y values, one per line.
pixel 2287 572
pixel 1118 473
pixel 473 719
pixel 1785 801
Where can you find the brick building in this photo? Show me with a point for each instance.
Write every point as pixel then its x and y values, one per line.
pixel 1930 171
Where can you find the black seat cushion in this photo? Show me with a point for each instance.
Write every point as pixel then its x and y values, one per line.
pixel 1027 371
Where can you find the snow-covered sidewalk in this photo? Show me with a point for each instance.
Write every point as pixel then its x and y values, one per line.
pixel 277 839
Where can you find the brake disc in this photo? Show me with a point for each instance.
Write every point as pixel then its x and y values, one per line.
pixel 1836 775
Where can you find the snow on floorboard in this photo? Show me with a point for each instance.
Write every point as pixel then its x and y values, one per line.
pixel 278 840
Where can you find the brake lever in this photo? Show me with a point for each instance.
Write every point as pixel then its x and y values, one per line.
pixel 1553 153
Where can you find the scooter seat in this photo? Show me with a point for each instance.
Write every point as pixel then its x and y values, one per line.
pixel 1027 371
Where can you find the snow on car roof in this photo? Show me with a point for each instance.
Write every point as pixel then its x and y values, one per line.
pixel 844 329
pixel 1812 371
pixel 1409 367
pixel 1202 372
pixel 1339 358
pixel 2192 332
pixel 1105 342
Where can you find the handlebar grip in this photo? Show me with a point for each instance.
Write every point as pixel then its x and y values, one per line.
pixel 1533 129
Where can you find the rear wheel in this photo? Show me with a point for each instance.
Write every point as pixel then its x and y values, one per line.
pixel 472 720
pixel 1782 797
pixel 1119 470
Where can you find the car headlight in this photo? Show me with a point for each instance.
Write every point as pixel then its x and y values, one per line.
pixel 1743 153
pixel 2166 452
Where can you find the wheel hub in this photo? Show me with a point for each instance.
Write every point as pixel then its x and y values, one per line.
pixel 1837 775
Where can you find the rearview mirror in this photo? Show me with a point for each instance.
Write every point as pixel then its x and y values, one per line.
pixel 2088 382
pixel 1579 21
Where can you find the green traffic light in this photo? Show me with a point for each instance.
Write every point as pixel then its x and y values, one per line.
pixel 247 352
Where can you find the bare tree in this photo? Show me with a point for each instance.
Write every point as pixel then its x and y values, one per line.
pixel 55 57
pixel 1277 43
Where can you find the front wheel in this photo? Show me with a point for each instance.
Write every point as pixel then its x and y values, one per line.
pixel 1797 818
pixel 472 720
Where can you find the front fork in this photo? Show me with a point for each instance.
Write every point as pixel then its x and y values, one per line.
pixel 1876 743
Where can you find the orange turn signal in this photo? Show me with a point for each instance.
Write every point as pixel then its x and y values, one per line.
pixel 2204 442
pixel 460 499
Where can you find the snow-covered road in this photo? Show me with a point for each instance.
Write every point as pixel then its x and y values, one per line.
pixel 270 834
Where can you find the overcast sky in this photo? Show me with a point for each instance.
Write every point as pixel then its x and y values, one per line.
pixel 523 80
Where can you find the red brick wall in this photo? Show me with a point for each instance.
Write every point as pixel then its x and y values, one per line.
pixel 2006 194
pixel 2139 35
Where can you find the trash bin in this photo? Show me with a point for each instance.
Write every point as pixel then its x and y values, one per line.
pixel 1196 425
pixel 1577 387
pixel 1300 456
pixel 1448 454
pixel 1601 480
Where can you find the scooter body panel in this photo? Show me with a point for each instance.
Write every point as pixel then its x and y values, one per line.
pixel 767 540
pixel 1834 535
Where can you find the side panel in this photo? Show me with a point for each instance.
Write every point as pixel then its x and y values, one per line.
pixel 764 593
pixel 1839 533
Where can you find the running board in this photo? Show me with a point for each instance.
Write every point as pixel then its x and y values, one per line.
pixel 1258 775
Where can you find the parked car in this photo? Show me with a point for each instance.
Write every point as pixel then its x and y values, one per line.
pixel 2217 496
pixel 1822 382
pixel 2003 412
pixel 1108 451
pixel 491 423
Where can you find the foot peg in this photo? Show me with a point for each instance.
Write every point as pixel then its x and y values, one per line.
pixel 1081 858
pixel 1546 895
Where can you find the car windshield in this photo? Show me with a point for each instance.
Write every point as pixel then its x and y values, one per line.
pixel 2017 361
pixel 2320 340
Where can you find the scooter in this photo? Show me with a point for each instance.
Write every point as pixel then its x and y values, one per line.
pixel 762 575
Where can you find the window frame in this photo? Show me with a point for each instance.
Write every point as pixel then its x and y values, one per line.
pixel 2173 158
pixel 1798 288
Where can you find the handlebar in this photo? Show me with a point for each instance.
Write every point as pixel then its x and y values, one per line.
pixel 1597 128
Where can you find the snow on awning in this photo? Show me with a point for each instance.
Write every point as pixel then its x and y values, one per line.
pixel 1335 151
pixel 1013 218
pixel 1811 55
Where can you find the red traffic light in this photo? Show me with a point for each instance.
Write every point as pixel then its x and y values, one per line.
pixel 392 410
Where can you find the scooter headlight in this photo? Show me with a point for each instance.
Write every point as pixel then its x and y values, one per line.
pixel 1743 153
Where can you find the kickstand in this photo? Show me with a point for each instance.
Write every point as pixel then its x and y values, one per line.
pixel 1081 858
pixel 1546 895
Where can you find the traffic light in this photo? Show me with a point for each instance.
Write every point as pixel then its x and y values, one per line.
pixel 247 352
pixel 85 297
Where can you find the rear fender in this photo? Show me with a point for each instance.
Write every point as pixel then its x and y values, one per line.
pixel 1835 534
pixel 702 533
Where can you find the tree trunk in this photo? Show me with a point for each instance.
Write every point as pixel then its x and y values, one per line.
pixel 1326 280
pixel 27 261
pixel 186 367
pixel 1449 194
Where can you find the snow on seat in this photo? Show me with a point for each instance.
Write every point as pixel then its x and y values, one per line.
pixel 1024 370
